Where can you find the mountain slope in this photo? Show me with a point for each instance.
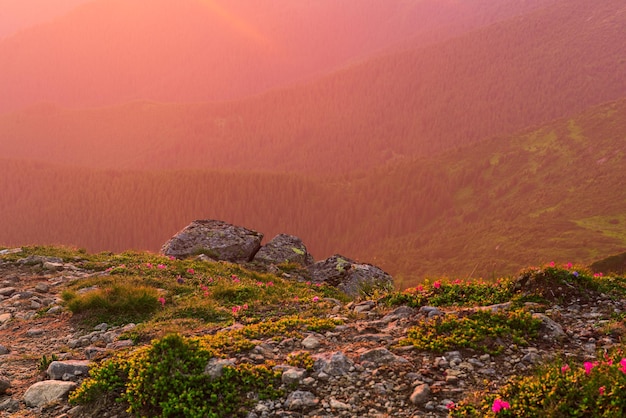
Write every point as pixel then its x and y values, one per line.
pixel 498 80
pixel 551 193
pixel 109 51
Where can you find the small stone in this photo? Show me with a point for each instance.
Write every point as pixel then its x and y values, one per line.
pixel 119 344
pixel 3 350
pixel 34 332
pixel 215 367
pixel 293 376
pixel 310 342
pixel 335 404
pixel 7 291
pixel 300 399
pixel 42 287
pixel 52 266
pixel 4 384
pixel 420 394
pixel 101 327
pixel 55 310
pixel 9 405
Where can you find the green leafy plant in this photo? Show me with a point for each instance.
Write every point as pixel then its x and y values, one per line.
pixel 302 359
pixel 167 379
pixel 45 361
pixel 478 330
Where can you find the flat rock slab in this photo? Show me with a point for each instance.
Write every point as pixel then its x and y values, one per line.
pixel 43 393
pixel 217 239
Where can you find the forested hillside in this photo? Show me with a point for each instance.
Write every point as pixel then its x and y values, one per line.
pixel 554 192
pixel 497 80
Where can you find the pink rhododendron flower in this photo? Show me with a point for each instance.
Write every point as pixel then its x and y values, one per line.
pixel 499 405
pixel 552 264
pixel 457 281
pixel 569 266
pixel 437 284
pixel 564 368
pixel 589 366
pixel 316 299
pixel 622 365
pixel 450 406
pixel 270 284
pixel 191 271
pixel 172 258
pixel 596 275
pixel 162 301
pixel 161 266
pixel 602 389
pixel 420 288
pixel 149 265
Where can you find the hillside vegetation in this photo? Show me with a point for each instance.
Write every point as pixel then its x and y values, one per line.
pixel 497 80
pixel 485 209
pixel 167 337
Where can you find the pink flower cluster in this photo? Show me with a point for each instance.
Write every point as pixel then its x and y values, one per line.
pixel 162 301
pixel 237 309
pixel 499 405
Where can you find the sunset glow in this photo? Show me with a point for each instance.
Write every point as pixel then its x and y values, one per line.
pixel 432 136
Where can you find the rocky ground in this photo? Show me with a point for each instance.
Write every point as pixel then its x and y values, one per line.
pixel 360 371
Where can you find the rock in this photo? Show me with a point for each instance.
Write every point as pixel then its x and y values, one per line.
pixel 55 310
pixel 57 370
pixel 42 393
pixel 94 352
pixel 398 313
pixel 216 366
pixel 3 350
pixel 5 317
pixel 310 343
pixel 34 332
pixel 33 260
pixel 364 306
pixel 300 400
pixel 284 248
pixel 335 404
pixel 217 239
pixel 381 356
pixel 4 384
pixel 7 291
pixel 9 405
pixel 420 394
pixel 349 276
pixel 293 376
pixel 550 327
pixel 335 364
pixel 52 266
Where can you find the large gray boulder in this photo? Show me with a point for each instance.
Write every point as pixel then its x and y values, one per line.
pixel 284 248
pixel 349 276
pixel 217 239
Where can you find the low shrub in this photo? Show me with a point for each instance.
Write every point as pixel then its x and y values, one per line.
pixel 560 390
pixel 484 331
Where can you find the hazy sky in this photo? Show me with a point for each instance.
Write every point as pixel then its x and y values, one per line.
pixel 19 14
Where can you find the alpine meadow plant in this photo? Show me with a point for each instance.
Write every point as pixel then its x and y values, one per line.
pixel 482 330
pixel 167 379
pixel 590 389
